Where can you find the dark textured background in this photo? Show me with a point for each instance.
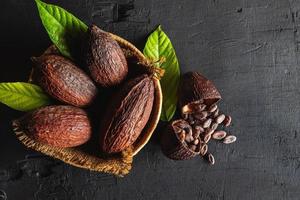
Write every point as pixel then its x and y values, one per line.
pixel 249 48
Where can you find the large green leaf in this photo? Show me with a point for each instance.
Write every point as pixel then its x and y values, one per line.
pixel 159 46
pixel 22 96
pixel 64 29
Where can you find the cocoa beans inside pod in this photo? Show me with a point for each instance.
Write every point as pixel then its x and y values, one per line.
pixel 64 81
pixel 127 114
pixel 59 126
pixel 104 58
pixel 195 89
pixel 177 141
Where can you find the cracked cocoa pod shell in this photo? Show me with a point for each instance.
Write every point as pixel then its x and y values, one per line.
pixel 127 114
pixel 104 58
pixel 59 126
pixel 195 87
pixel 172 145
pixel 64 81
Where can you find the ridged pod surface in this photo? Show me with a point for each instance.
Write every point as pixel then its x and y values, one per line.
pixel 127 114
pixel 60 126
pixel 64 81
pixel 194 87
pixel 104 58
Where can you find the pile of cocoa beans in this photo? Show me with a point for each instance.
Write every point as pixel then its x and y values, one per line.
pixel 189 136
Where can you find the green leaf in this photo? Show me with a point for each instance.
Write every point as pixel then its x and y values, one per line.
pixel 159 46
pixel 22 96
pixel 63 28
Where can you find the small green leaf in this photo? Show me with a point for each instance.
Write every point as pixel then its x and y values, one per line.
pixel 159 46
pixel 22 96
pixel 63 28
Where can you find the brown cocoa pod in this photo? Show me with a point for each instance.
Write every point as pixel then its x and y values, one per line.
pixel 127 114
pixel 60 126
pixel 175 147
pixel 64 81
pixel 105 58
pixel 195 88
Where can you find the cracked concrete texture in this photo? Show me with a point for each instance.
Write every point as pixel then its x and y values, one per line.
pixel 249 48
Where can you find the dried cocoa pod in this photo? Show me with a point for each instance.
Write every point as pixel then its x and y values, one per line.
pixel 173 146
pixel 195 88
pixel 105 58
pixel 60 126
pixel 127 114
pixel 64 81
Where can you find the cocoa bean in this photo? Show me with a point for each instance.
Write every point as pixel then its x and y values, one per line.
pixel 207 137
pixel 227 121
pixel 229 139
pixel 215 113
pixel 220 118
pixel 204 149
pixel 213 108
pixel 211 159
pixel 218 135
pixel 207 123
pixel 214 126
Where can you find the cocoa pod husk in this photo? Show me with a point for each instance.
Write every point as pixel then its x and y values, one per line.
pixel 104 58
pixel 172 145
pixel 194 87
pixel 127 114
pixel 64 81
pixel 59 126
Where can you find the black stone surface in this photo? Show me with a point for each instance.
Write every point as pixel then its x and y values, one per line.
pixel 249 48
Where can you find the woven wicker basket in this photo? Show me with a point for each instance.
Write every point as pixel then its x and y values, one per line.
pixel 119 165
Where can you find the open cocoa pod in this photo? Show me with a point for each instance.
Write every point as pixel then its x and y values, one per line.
pixel 119 164
pixel 177 142
pixel 195 89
